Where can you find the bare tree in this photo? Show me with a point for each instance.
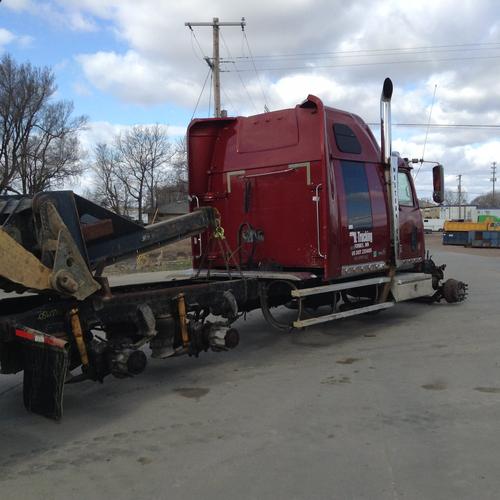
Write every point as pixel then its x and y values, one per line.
pixel 110 192
pixel 179 164
pixel 455 198
pixel 144 152
pixel 38 145
pixel 53 153
pixel 23 92
pixel 487 200
pixel 426 202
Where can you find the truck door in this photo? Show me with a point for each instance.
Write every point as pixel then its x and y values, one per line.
pixel 410 219
pixel 364 230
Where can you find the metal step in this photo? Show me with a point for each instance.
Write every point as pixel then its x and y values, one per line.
pixel 345 314
pixel 304 292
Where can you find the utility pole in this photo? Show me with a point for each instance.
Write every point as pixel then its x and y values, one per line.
pixel 459 196
pixel 214 63
pixel 493 179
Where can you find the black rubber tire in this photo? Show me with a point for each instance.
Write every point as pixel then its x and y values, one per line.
pixel 454 291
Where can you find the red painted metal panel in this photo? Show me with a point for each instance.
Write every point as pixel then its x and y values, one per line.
pixel 277 182
pixel 411 225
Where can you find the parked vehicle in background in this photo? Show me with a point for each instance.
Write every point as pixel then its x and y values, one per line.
pixel 433 225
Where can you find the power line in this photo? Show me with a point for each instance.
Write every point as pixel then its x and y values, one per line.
pixel 348 55
pixel 442 125
pixel 427 131
pixel 239 76
pixel 266 108
pixel 229 101
pixel 493 177
pixel 193 36
pixel 210 93
pixel 201 93
pixel 464 191
pixel 452 47
pixel 355 65
pixel 214 63
pixel 207 59
pixel 229 54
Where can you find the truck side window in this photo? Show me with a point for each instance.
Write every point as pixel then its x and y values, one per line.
pixel 405 193
pixel 359 205
pixel 346 139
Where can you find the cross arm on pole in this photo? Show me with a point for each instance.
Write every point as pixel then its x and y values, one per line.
pixel 214 62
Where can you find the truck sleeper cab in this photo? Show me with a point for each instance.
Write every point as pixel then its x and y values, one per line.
pixel 301 189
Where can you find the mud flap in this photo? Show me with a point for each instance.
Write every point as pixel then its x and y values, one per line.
pixel 44 374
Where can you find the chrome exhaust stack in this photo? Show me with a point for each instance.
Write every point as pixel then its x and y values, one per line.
pixel 390 161
pixel 385 121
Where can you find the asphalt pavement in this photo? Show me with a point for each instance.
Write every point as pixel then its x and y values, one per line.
pixel 401 404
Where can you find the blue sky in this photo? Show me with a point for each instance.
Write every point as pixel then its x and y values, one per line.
pixel 56 46
pixel 125 62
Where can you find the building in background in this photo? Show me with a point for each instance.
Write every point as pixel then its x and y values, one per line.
pixel 170 201
pixel 451 212
pixel 166 211
pixel 435 217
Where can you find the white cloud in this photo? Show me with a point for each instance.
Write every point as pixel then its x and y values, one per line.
pixel 25 41
pixel 17 5
pixel 105 132
pixel 79 22
pixel 161 64
pixel 81 89
pixel 62 14
pixel 473 161
pixel 6 37
pixel 134 79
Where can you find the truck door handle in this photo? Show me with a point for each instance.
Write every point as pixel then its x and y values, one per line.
pixel 317 199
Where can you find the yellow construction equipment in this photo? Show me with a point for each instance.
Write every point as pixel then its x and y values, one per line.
pixel 451 225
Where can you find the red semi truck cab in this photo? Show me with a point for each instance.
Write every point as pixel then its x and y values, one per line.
pixel 301 189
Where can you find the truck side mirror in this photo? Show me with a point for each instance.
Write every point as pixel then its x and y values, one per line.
pixel 438 183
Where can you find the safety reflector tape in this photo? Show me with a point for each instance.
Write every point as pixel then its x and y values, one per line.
pixel 41 338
